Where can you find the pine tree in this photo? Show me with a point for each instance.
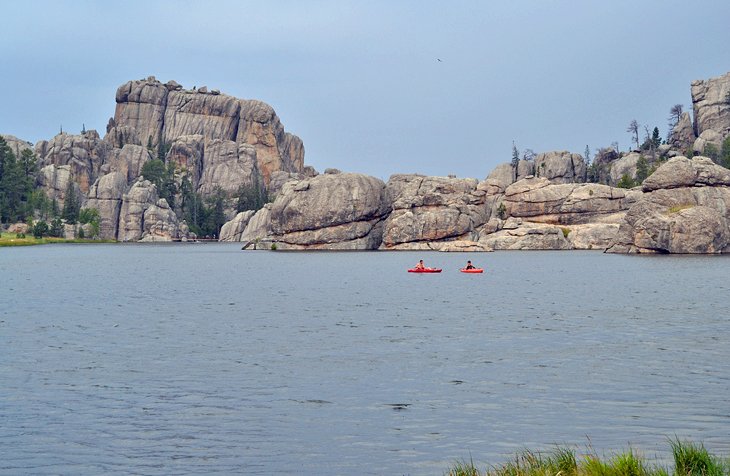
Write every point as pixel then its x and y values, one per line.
pixel 70 204
pixel 587 156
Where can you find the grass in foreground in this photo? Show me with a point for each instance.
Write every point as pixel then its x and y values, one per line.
pixel 690 459
pixel 8 239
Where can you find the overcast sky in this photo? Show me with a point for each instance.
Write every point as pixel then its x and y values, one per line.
pixel 361 82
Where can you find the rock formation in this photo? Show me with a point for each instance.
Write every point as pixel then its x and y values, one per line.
pixel 343 211
pixel 432 210
pixel 711 105
pixel 685 208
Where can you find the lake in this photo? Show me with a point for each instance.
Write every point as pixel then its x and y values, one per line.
pixel 201 358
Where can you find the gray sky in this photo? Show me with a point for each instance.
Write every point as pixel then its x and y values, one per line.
pixel 360 82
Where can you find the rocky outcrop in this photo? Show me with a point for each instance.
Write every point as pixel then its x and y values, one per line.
pixel 683 133
pixel 431 210
pixel 53 180
pixel 84 154
pixel 146 217
pixel 106 195
pixel 197 113
pixel 128 160
pixel 538 200
pixel 711 106
pixel 141 106
pixel 517 234
pixel 343 211
pixel 233 230
pixel 685 209
pixel 560 167
pixel 186 152
pixel 17 145
pixel 275 149
pixel 227 166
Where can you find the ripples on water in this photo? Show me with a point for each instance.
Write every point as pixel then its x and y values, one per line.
pixel 185 359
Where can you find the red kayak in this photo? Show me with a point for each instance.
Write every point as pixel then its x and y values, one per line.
pixel 472 270
pixel 425 270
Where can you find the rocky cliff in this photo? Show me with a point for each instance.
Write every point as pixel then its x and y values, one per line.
pixel 218 143
pixel 684 208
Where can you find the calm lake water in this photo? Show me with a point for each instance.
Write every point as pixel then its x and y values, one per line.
pixel 203 359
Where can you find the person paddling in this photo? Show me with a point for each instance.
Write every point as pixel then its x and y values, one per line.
pixel 469 265
pixel 420 265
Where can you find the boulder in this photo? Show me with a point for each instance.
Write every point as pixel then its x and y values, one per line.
pixel 431 209
pixel 343 211
pixel 682 172
pixel 683 133
pixel 685 208
pixel 625 165
pixel 538 200
pixel 233 230
pixel 517 234
pixel 592 236
pixel 560 167
pixel 707 138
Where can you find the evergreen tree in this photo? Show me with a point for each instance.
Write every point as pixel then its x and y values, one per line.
pixel 642 169
pixel 587 156
pixel 71 204
pixel 515 160
pixel 725 153
pixel 12 186
pixel 655 138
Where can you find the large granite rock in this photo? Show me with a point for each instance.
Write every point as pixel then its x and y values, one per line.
pixel 106 195
pixel 197 113
pixel 343 211
pixel 710 104
pixel 685 209
pixel 233 230
pixel 518 234
pixel 53 180
pixel 560 167
pixel 84 154
pixel 141 106
pixel 146 217
pixel 683 133
pixel 153 114
pixel 275 149
pixel 187 152
pixel 538 200
pixel 17 145
pixel 432 209
pixel 128 160
pixel 227 166
pixel 682 172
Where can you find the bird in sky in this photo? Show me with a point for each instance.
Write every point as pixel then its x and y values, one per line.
pixel 439 60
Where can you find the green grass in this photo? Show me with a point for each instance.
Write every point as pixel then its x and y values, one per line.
pixel 679 208
pixel 10 239
pixel 690 459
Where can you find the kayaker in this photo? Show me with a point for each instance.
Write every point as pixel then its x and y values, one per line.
pixel 469 265
pixel 420 265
